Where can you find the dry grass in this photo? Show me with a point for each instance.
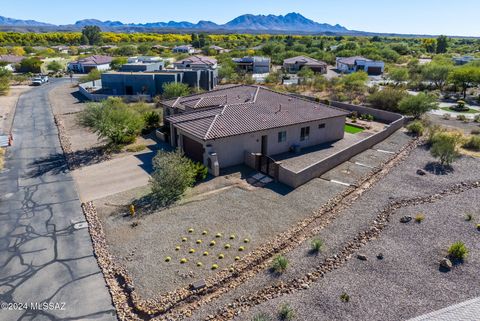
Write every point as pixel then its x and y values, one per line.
pixel 2 155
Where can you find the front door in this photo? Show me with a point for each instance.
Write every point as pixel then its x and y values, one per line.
pixel 264 145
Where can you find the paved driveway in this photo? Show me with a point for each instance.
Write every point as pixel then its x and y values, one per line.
pixel 43 258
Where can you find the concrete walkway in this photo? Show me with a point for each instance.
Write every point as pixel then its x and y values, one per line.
pixel 465 311
pixel 43 257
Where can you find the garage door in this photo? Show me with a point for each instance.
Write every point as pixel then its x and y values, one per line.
pixel 374 70
pixel 193 149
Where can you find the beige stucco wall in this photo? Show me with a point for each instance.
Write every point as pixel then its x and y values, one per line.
pixel 231 150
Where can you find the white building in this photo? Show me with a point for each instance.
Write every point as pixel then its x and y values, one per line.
pixel 85 65
pixel 353 64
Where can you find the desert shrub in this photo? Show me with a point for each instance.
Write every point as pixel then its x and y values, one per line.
pixel 468 217
pixel 419 218
pixel 173 174
pixel 261 317
pixel 416 128
pixel 152 120
pixel 444 147
pixel 286 313
pixel 473 143
pixel 417 105
pixel 280 264
pixel 447 116
pixel 386 99
pixel 94 74
pixel 432 131
pixel 458 251
pixel 4 85
pixel 200 170
pixel 462 118
pixel 475 131
pixel 476 118
pixel 175 89
pixel 316 245
pixel 113 119
pixel 345 297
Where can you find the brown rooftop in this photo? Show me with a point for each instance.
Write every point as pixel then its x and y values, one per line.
pixel 248 109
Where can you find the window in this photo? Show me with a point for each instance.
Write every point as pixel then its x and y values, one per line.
pixel 320 126
pixel 304 133
pixel 282 137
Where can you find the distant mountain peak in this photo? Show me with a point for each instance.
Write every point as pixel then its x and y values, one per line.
pixel 291 22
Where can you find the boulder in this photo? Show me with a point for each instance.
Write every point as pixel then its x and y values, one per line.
pixel 405 219
pixel 362 257
pixel 421 172
pixel 446 264
pixel 380 256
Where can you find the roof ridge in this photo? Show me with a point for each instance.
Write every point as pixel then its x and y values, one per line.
pixel 211 125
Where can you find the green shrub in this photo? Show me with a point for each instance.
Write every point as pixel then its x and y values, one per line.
pixel 201 171
pixel 261 317
pixel 280 264
pixel 419 218
pixel 473 143
pixel 458 251
pixel 152 120
pixel 94 74
pixel 172 175
pixel 444 147
pixel 316 245
pixel 345 297
pixel 113 119
pixel 286 313
pixel 476 118
pixel 4 85
pixel 386 99
pixel 172 90
pixel 447 116
pixel 475 131
pixel 417 105
pixel 462 118
pixel 416 128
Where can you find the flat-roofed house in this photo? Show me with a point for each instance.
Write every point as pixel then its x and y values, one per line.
pixel 196 63
pixel 353 64
pixel 255 64
pixel 85 65
pixel 295 64
pixel 188 49
pixel 218 128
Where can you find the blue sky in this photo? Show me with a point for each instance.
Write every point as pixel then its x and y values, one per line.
pixel 400 16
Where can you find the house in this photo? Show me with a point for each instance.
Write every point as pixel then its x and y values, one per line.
pixel 128 83
pixel 218 49
pixel 9 61
pixel 196 63
pixel 85 65
pixel 353 64
pixel 143 64
pixel 256 65
pixel 295 64
pixel 188 49
pixel 220 127
pixel 463 60
pixel 61 49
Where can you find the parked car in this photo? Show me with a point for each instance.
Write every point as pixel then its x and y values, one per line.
pixel 40 80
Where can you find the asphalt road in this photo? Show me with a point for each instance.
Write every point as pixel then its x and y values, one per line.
pixel 43 257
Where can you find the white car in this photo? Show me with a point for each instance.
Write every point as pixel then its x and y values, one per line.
pixel 38 81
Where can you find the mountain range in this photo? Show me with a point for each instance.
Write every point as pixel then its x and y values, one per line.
pixel 289 23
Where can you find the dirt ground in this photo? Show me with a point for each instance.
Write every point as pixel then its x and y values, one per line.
pixel 7 106
pixel 256 214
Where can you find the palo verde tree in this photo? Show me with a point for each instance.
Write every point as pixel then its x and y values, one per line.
pixel 417 105
pixel 465 77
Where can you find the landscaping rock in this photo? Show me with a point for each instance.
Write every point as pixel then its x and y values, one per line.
pixel 446 264
pixel 380 256
pixel 421 172
pixel 362 257
pixel 405 219
pixel 200 284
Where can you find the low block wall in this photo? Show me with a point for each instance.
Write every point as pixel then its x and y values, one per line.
pixel 82 88
pixel 394 121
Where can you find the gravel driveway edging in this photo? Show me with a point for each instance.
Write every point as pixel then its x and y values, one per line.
pixel 337 260
pixel 65 144
pixel 182 302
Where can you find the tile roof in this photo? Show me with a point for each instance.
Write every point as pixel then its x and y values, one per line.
pixel 198 60
pixel 304 60
pixel 95 60
pixel 12 59
pixel 244 114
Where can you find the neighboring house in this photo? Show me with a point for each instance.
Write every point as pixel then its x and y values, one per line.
pixel 220 127
pixel 61 49
pixel 188 49
pixel 353 64
pixel 256 65
pixel 196 63
pixel 85 65
pixel 463 60
pixel 218 49
pixel 143 64
pixel 295 64
pixel 151 83
pixel 10 61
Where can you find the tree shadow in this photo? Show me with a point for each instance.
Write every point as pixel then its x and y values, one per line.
pixel 438 169
pixel 54 164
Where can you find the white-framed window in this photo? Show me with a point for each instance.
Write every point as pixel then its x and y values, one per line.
pixel 282 136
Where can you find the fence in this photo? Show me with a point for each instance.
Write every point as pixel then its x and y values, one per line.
pixel 86 90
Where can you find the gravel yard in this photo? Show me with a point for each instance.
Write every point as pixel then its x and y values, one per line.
pixel 407 282
pixel 7 106
pixel 452 123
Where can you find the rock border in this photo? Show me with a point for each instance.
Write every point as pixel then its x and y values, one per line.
pixel 65 144
pixel 182 302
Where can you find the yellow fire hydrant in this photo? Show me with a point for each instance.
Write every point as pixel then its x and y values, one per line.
pixel 132 210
